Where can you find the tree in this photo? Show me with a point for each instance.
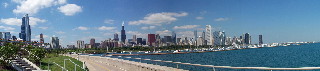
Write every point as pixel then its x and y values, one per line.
pixel 8 52
pixel 37 54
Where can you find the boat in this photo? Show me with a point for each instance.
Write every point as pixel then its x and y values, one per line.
pixel 175 51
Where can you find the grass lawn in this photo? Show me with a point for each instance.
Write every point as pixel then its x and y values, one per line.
pixel 59 59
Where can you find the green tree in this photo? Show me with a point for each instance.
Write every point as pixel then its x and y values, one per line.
pixel 36 54
pixel 8 52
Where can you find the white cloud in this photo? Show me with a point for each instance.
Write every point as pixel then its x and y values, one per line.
pixel 148 27
pixel 159 18
pixel 14 21
pixel 38 36
pixel 70 9
pixel 186 27
pixel 186 34
pixel 164 32
pixel 44 28
pixel 6 28
pixel 143 35
pixel 108 21
pixel 34 21
pixel 199 18
pixel 106 28
pixel 60 32
pixel 81 28
pixel 60 2
pixel 11 21
pixel 221 19
pixel 14 32
pixel 5 5
pixel 33 6
pixel 35 39
pixel 108 34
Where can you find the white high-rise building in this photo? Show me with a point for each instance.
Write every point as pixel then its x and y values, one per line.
pixel 199 41
pixel 208 36
pixel 80 44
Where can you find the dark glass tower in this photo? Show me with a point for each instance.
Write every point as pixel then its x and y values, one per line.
pixel 260 39
pixel 25 33
pixel 174 37
pixel 123 34
pixel 115 37
pixel 247 38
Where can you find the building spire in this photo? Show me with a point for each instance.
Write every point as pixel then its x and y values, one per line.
pixel 122 23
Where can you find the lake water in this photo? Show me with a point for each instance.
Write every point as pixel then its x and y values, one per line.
pixel 307 55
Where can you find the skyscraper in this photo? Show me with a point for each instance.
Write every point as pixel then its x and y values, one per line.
pixel 151 39
pixel 195 33
pixel 208 35
pixel 5 35
pixel 55 42
pixel 139 41
pixel 247 38
pixel 92 42
pixel 204 41
pixel 217 38
pixel 115 37
pixel 134 39
pixel 167 39
pixel 223 37
pixel 80 44
pixel 123 34
pixel 25 33
pixel 174 37
pixel 41 38
pixel 158 40
pixel 199 41
pixel 260 39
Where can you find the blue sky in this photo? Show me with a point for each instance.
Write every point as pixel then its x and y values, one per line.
pixel 72 20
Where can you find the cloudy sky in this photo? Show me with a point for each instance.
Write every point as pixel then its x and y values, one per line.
pixel 72 20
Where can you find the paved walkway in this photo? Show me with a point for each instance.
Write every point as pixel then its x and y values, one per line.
pixel 97 63
pixel 98 66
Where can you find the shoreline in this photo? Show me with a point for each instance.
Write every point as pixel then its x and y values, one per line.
pixel 206 50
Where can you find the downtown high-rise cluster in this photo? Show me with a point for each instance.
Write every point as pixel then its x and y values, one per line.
pixel 206 38
pixel 25 36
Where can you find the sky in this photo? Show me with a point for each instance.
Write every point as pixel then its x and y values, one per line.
pixel 72 20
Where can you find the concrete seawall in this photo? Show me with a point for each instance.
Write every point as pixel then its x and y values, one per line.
pixel 126 65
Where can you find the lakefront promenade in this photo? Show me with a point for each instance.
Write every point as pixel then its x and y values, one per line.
pixel 97 63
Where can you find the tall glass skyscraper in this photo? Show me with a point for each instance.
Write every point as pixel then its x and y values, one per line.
pixel 174 37
pixel 25 34
pixel 123 34
pixel 247 38
pixel 260 39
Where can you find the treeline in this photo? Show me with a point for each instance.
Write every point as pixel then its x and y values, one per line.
pixel 11 50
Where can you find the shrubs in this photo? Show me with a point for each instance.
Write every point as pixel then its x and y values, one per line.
pixel 8 52
pixel 36 54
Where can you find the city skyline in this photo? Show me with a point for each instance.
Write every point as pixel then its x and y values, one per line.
pixel 87 20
